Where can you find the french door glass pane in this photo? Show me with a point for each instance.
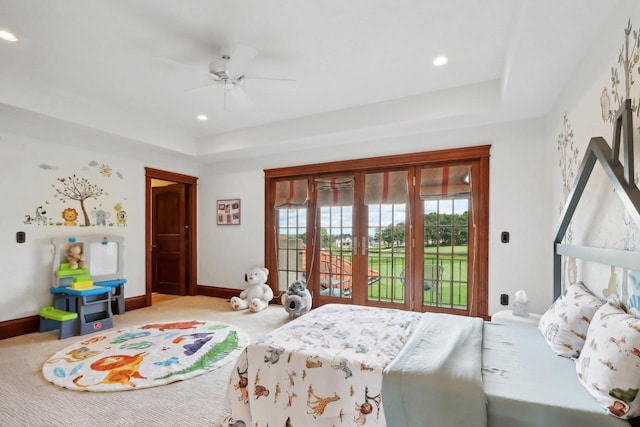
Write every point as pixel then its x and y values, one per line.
pixel 292 240
pixel 386 253
pixel 446 253
pixel 336 234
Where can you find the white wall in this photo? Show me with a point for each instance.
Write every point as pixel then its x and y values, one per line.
pixel 519 204
pixel 227 252
pixel 26 267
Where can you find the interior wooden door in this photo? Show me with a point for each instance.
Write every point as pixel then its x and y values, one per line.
pixel 169 240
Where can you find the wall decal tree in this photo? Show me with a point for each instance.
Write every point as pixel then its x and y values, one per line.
pixel 568 164
pixel 610 103
pixel 628 58
pixel 78 189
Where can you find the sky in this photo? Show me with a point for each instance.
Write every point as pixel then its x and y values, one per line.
pixel 379 215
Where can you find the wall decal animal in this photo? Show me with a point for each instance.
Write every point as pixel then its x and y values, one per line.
pixel 611 289
pixel 121 215
pixel 38 218
pixel 121 369
pixel 100 216
pixel 70 217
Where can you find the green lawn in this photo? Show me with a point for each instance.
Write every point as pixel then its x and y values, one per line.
pixel 391 267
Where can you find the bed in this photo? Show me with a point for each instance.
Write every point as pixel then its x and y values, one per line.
pixel 315 371
pixel 345 365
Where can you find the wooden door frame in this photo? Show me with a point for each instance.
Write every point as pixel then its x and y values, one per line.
pixel 191 187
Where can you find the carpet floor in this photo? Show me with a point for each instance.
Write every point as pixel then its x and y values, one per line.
pixel 27 399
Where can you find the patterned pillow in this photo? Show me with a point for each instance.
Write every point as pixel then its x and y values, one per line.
pixel 565 324
pixel 609 365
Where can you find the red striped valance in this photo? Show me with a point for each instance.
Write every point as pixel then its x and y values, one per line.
pixel 386 187
pixel 448 182
pixel 291 194
pixel 336 191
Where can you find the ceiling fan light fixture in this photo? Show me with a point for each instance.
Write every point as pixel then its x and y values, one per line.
pixel 441 60
pixel 6 35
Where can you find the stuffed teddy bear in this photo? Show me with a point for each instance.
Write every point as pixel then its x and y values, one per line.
pixel 75 256
pixel 297 299
pixel 258 293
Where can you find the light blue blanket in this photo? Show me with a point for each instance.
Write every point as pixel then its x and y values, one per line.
pixel 436 379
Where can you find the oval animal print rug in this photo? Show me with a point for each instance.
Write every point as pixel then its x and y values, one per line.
pixel 145 356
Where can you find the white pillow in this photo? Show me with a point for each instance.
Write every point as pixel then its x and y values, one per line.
pixel 609 365
pixel 565 324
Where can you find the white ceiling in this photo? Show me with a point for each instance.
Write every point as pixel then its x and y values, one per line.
pixel 361 66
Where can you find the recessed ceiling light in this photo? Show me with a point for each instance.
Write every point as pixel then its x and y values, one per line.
pixel 5 35
pixel 202 117
pixel 440 61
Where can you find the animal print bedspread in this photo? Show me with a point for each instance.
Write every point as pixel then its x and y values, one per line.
pixel 322 369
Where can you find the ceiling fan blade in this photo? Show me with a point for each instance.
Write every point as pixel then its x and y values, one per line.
pixel 240 96
pixel 239 61
pixel 265 83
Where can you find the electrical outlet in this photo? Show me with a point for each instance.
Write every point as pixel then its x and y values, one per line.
pixel 504 299
pixel 504 237
pixel 21 237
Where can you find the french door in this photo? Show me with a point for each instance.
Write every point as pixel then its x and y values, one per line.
pixel 410 236
pixel 360 253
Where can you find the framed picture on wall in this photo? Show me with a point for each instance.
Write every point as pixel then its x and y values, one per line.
pixel 228 212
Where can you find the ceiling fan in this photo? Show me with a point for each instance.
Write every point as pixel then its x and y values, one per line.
pixel 228 73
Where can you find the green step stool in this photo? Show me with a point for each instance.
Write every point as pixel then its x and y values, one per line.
pixel 52 318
